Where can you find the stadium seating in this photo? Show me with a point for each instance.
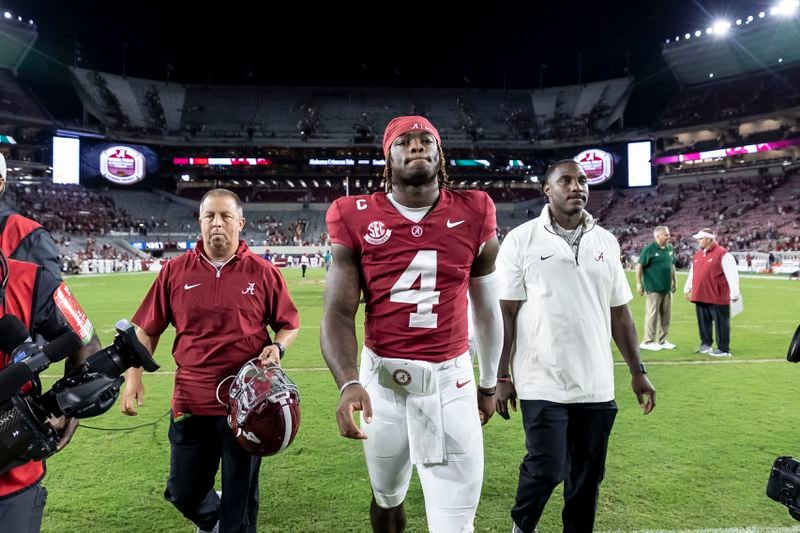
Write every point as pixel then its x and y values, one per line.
pixel 734 98
pixel 16 100
pixel 347 114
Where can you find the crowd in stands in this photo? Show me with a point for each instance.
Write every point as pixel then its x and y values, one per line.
pixel 326 195
pixel 70 209
pixel 275 233
pixel 77 210
pixel 759 213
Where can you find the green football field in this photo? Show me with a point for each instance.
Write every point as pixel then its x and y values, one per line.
pixel 699 461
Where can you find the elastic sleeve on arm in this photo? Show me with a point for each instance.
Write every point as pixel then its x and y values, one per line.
pixel 488 321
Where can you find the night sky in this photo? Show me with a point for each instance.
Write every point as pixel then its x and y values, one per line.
pixel 414 44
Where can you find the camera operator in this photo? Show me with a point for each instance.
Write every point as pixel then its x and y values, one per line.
pixel 46 307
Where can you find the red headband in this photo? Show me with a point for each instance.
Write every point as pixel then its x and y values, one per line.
pixel 402 125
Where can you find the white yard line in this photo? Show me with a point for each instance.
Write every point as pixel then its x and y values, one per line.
pixel 725 361
pixel 750 529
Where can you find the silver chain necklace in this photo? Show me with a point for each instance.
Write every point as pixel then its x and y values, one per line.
pixel 571 236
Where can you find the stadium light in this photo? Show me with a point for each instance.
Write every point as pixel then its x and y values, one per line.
pixel 762 15
pixel 185 177
pixel 667 41
pixel 738 22
pixel 780 60
pixel 711 75
pixel 785 8
pixel 677 38
pixel 7 15
pixel 721 27
pixel 687 36
pixel 30 22
pixel 698 33
pixel 19 19
pixel 749 19
pixel 709 31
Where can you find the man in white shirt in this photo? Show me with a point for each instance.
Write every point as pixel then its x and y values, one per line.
pixel 564 295
pixel 304 262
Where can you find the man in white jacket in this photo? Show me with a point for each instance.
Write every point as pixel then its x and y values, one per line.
pixel 563 296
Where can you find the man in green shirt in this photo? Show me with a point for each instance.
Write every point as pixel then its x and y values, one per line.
pixel 657 267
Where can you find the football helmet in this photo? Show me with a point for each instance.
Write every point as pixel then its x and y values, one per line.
pixel 263 408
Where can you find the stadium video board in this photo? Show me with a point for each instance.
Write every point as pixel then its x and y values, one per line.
pixel 66 160
pixel 617 165
pixel 119 164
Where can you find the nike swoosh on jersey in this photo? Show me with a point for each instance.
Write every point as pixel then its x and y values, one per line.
pixel 187 287
pixel 545 257
pixel 454 224
pixel 460 384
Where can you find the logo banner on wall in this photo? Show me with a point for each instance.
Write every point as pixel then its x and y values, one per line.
pixel 598 165
pixel 122 165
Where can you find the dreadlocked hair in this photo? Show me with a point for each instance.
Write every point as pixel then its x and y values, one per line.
pixel 441 174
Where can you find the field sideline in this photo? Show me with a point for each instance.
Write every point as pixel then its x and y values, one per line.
pixel 700 461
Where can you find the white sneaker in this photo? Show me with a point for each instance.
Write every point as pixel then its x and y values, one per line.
pixel 652 346
pixel 666 345
pixel 719 353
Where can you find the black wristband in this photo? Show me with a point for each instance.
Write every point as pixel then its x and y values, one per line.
pixel 639 369
pixel 281 348
pixel 483 392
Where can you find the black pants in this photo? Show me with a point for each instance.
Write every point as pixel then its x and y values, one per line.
pixel 720 315
pixel 23 512
pixel 198 443
pixel 304 268
pixel 565 442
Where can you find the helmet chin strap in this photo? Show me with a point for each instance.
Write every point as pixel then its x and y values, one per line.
pixel 218 388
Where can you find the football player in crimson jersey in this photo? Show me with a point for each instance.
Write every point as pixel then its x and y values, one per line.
pixel 415 251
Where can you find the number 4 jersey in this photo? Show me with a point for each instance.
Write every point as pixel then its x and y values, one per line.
pixel 415 274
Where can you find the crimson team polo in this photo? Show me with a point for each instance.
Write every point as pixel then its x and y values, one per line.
pixel 219 318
